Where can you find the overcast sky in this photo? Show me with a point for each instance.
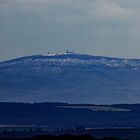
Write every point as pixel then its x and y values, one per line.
pixel 98 27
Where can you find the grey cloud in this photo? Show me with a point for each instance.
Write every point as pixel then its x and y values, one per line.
pixel 101 27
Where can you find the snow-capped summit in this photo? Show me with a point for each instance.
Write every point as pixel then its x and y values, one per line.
pixel 70 77
pixel 72 58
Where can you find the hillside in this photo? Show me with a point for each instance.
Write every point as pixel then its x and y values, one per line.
pixel 71 78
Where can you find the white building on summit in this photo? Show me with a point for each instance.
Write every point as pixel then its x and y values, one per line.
pixel 54 54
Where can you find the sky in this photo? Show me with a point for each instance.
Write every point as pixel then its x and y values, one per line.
pixel 96 27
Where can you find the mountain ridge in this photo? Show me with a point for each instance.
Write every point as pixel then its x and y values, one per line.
pixel 70 77
pixel 83 57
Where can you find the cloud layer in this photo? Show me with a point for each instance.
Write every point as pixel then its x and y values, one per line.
pixel 100 27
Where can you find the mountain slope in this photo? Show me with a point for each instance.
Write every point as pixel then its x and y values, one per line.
pixel 71 77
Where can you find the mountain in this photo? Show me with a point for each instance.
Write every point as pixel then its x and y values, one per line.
pixel 71 78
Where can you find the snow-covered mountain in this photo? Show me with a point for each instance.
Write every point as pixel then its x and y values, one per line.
pixel 70 77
